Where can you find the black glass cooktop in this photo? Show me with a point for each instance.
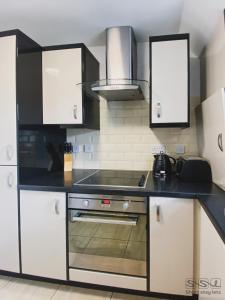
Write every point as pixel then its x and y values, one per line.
pixel 116 178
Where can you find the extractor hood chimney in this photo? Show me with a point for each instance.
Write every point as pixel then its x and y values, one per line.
pixel 121 81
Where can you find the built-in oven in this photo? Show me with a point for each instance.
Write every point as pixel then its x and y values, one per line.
pixel 107 237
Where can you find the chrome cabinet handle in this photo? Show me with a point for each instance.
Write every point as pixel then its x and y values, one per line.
pixel 10 180
pixel 75 112
pixel 158 110
pixel 132 222
pixel 157 213
pixel 9 152
pixel 220 141
pixel 56 207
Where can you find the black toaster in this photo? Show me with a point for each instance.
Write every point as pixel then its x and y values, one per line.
pixel 193 169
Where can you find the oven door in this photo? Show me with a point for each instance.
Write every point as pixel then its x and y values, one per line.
pixel 107 242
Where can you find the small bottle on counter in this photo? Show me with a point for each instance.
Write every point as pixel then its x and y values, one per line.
pixel 68 157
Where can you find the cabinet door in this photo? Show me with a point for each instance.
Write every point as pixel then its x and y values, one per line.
pixel 62 98
pixel 8 151
pixel 169 82
pixel 171 244
pixel 43 233
pixel 212 115
pixel 9 245
pixel 212 261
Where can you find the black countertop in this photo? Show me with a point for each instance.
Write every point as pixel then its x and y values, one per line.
pixel 209 195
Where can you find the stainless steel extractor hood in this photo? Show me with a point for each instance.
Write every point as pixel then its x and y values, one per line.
pixel 121 81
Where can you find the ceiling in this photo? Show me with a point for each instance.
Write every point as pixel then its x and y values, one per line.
pixel 70 21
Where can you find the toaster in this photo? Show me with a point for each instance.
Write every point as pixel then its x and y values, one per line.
pixel 193 169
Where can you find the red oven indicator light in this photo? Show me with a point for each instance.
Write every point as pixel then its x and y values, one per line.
pixel 105 202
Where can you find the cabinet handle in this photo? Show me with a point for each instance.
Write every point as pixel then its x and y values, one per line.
pixel 10 180
pixel 157 213
pixel 75 112
pixel 9 152
pixel 56 207
pixel 220 141
pixel 17 112
pixel 158 110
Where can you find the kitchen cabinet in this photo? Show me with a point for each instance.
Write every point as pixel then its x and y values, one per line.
pixel 14 90
pixel 169 81
pixel 9 241
pixel 8 146
pixel 29 81
pixel 212 261
pixel 212 61
pixel 64 102
pixel 43 233
pixel 21 89
pixel 171 244
pixel 211 132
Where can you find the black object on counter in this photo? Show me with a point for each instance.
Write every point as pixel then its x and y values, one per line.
pixel 193 169
pixel 162 165
pixel 68 148
pixel 142 181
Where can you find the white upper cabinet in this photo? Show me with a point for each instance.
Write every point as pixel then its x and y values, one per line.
pixel 212 261
pixel 43 234
pixel 8 145
pixel 171 244
pixel 169 81
pixel 213 61
pixel 9 240
pixel 62 98
pixel 65 102
pixel 211 119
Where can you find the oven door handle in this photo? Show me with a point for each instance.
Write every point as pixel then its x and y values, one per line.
pixel 133 222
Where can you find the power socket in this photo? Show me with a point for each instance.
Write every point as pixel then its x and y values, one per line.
pixel 180 149
pixel 77 148
pixel 157 148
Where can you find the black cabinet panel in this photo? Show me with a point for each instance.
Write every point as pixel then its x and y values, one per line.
pixel 91 105
pixel 29 81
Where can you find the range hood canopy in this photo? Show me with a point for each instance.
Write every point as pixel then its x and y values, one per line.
pixel 121 81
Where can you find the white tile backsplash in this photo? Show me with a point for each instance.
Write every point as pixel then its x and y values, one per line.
pixel 125 139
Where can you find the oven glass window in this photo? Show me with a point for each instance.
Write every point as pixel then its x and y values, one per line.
pixel 108 242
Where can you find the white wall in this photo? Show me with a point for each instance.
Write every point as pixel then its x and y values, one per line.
pixel 213 62
pixel 125 139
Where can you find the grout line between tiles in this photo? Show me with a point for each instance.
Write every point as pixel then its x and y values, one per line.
pixel 6 283
pixel 56 290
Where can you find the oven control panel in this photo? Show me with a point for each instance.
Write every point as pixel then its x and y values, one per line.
pixel 107 203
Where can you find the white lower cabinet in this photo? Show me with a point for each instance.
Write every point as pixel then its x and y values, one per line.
pixel 43 233
pixel 9 245
pixel 171 244
pixel 212 261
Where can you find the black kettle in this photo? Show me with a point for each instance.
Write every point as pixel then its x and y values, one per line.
pixel 162 166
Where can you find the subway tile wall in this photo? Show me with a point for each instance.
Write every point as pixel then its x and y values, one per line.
pixel 125 140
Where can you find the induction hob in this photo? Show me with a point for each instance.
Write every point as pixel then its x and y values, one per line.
pixel 115 178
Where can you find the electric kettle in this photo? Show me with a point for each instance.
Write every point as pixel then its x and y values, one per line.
pixel 162 165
